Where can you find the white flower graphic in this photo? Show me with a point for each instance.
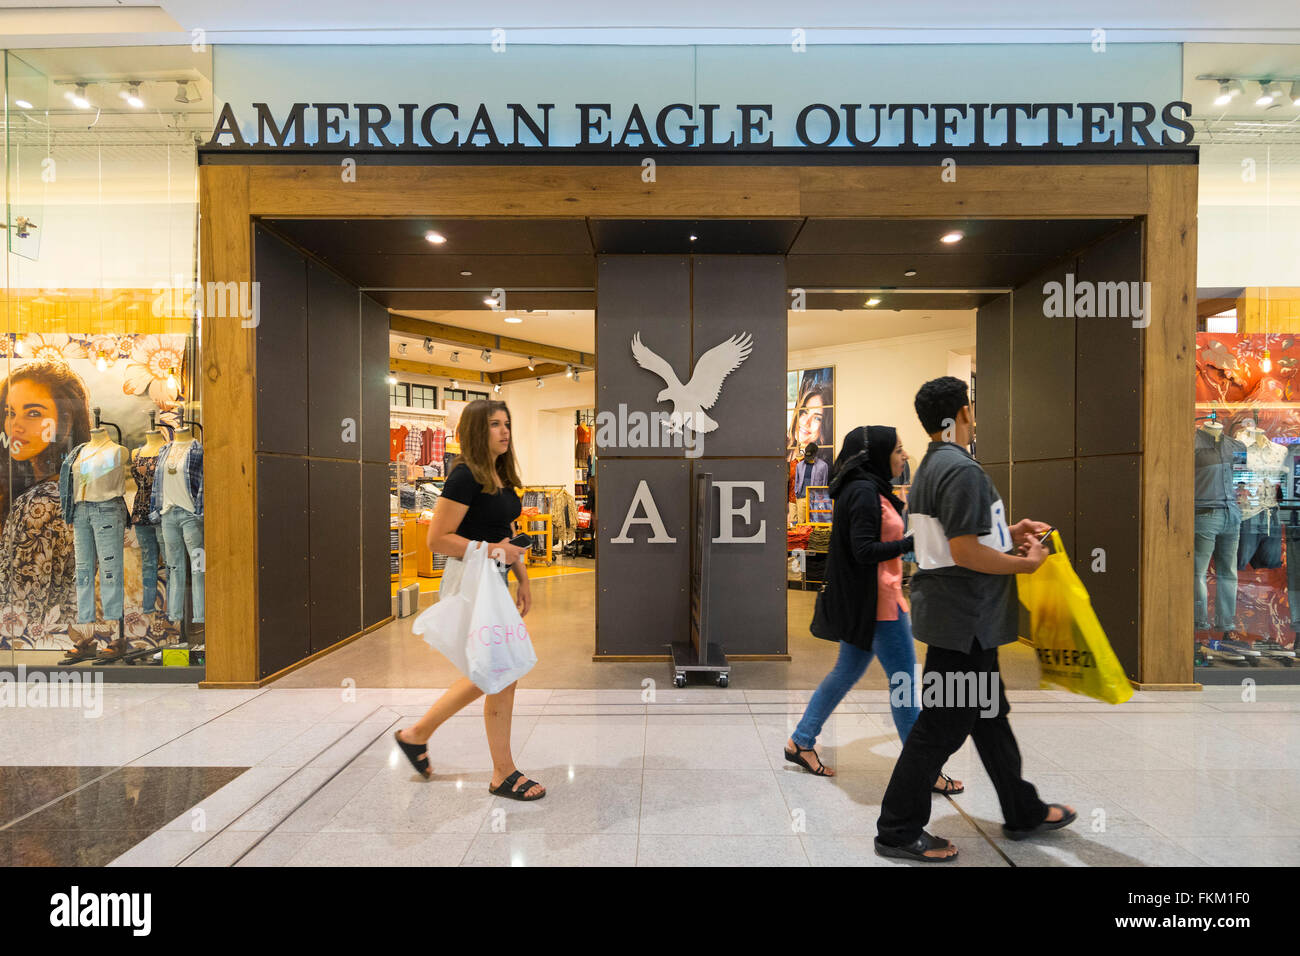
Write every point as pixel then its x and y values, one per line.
pixel 155 359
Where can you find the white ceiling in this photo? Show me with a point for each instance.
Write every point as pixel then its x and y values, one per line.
pixel 568 329
pixel 819 328
pixel 54 22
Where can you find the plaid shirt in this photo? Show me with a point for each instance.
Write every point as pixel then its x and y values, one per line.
pixel 193 468
pixel 439 445
pixel 413 443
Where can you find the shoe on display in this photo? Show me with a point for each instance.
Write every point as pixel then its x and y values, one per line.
pixel 1272 649
pixel 82 652
pixel 1240 647
pixel 1225 653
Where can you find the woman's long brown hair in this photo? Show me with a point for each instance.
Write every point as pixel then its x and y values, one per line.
pixel 72 428
pixel 474 432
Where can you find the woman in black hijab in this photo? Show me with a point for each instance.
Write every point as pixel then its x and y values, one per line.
pixel 862 603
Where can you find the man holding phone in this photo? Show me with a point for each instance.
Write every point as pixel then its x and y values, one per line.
pixel 964 606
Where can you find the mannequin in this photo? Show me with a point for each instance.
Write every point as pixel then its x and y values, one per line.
pixel 1219 459
pixel 144 460
pixel 177 505
pixel 1261 531
pixel 93 488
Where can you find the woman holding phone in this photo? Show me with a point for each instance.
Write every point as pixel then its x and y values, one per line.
pixel 479 503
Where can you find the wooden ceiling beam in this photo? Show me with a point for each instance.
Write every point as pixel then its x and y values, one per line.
pixel 471 338
pixel 457 372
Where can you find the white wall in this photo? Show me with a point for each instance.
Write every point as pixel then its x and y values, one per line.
pixel 876 381
pixel 543 426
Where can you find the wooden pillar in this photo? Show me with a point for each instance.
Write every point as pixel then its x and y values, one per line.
pixel 230 434
pixel 1168 400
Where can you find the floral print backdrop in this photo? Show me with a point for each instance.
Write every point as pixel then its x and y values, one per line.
pixel 127 377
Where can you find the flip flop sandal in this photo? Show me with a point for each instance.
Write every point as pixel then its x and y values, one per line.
pixel 796 758
pixel 1069 816
pixel 948 789
pixel 413 752
pixel 916 849
pixel 508 788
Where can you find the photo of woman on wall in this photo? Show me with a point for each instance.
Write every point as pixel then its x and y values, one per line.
pixel 811 420
pixel 46 414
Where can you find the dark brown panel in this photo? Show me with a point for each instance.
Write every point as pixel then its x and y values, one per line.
pixel 747 580
pixel 1045 492
pixel 650 295
pixel 641 602
pixel 1000 473
pixel 698 236
pixel 374 381
pixel 368 269
pixel 376 595
pixel 333 344
pixel 283 564
pixel 1042 380
pixel 461 301
pixel 993 380
pixel 281 336
pixel 1109 493
pixel 736 296
pixel 1108 366
pixel 329 237
pixel 895 301
pixel 336 552
pixel 921 236
pixel 932 270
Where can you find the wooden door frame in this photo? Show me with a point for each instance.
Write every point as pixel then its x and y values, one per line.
pixel 1163 195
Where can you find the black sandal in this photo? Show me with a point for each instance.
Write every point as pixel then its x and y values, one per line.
pixel 916 849
pixel 947 789
pixel 507 788
pixel 413 751
pixel 1067 817
pixel 795 758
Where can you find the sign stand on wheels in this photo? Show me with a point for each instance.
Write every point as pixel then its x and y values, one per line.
pixel 700 653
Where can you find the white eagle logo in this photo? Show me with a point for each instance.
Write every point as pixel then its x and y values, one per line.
pixel 702 391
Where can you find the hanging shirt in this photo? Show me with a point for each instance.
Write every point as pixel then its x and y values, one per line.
pixel 176 484
pixel 1267 466
pixel 396 443
pixel 806 474
pixel 99 472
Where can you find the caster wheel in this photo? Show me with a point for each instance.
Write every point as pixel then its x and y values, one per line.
pixel 722 680
pixel 679 680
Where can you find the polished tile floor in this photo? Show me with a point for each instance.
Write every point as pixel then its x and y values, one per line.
pixel 170 775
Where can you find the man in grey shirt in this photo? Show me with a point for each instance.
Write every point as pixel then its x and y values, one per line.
pixel 964 606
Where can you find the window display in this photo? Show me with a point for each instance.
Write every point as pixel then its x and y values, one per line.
pixel 810 411
pixel 1247 499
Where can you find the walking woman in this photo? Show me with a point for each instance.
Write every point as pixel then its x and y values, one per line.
pixel 863 600
pixel 479 503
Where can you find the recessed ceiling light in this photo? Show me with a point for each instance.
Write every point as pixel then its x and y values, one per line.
pixel 436 238
pixel 871 303
pixel 491 302
pixel 951 237
pixel 22 104
pixel 513 319
pixel 466 273
pixel 694 237
pixel 909 273
pixel 392 379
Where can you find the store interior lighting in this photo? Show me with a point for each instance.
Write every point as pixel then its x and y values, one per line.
pixel 77 97
pixel 1228 91
pixel 513 319
pixel 436 238
pixel 951 237
pixel 401 348
pixel 497 388
pixel 1295 92
pixel 455 384
pixel 576 374
pixel 568 371
pixel 1266 94
pixel 539 383
pixel 873 302
pixel 182 92
pixel 455 356
pixel 22 104
pixel 486 356
pixel 392 379
pixel 428 346
pixel 131 93
pixel 532 366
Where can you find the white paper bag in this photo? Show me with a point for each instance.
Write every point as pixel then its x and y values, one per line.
pixel 477 627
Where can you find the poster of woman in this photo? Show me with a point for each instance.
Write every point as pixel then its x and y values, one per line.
pixel 811 413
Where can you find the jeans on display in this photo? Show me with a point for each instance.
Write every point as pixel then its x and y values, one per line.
pixel 98 530
pixel 893 645
pixel 1261 541
pixel 1218 533
pixel 939 733
pixel 147 537
pixel 182 533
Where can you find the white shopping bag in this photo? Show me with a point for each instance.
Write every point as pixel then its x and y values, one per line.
pixel 477 627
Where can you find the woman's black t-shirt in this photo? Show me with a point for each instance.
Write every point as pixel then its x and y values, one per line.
pixel 489 516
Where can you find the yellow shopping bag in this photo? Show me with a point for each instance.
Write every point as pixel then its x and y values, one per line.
pixel 1056 616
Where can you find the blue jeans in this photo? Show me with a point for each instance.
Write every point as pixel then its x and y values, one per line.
pixel 1261 541
pixel 182 533
pixel 1218 533
pixel 893 644
pixel 146 535
pixel 98 528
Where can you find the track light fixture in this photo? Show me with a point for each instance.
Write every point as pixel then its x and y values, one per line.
pixel 576 374
pixel 78 96
pixel 497 388
pixel 539 383
pixel 182 92
pixel 568 371
pixel 455 356
pixel 131 93
pixel 392 379
pixel 401 348
pixel 532 366
pixel 428 346
pixel 1267 96
pixel 455 384
pixel 486 356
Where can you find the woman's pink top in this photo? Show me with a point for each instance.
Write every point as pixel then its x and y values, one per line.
pixel 889 593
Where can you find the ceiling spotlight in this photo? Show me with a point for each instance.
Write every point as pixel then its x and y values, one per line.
pixel 392 379
pixel 910 273
pixel 466 273
pixel 539 382
pixel 1266 94
pixel 401 348
pixel 491 302
pixel 694 237
pixel 575 374
pixel 497 388
pixel 531 366
pixel 1295 93
pixel 486 356
pixel 1226 92
pixel 455 356
pixel 182 92
pixel 568 371
pixel 436 238
pixel 873 302
pixel 951 237
pixel 455 384
pixel 78 98
pixel 428 346
pixel 22 104
pixel 513 319
pixel 131 93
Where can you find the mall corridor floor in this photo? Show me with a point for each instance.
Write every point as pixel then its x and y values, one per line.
pixel 176 776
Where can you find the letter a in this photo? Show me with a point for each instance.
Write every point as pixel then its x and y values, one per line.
pixel 646 502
